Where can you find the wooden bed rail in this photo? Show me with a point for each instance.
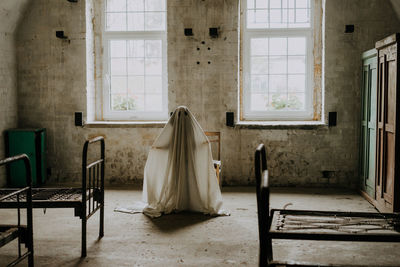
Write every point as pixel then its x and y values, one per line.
pixel 28 206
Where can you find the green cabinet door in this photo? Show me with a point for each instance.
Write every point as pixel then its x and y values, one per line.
pixel 368 123
pixel 31 142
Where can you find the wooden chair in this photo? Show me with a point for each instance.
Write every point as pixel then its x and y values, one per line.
pixel 215 137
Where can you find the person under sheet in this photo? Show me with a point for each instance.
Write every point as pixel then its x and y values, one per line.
pixel 179 173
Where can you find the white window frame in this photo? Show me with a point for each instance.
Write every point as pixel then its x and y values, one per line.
pixel 108 113
pixel 248 34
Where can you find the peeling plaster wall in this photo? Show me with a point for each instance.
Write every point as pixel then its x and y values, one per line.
pixel 52 85
pixel 10 12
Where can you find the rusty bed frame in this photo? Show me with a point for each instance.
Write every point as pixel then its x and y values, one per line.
pixel 24 233
pixel 314 225
pixel 85 200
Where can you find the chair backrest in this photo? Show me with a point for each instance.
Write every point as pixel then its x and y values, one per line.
pixel 215 137
pixel 262 191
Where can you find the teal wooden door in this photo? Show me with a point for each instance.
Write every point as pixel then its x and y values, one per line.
pixel 368 123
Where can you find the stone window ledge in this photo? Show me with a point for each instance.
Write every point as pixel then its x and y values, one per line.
pixel 125 124
pixel 280 124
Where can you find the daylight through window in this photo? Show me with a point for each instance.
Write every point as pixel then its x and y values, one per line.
pixel 135 60
pixel 277 60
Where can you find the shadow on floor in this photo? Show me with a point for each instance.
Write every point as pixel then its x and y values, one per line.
pixel 176 221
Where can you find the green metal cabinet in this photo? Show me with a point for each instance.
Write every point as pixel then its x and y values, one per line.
pixel 368 123
pixel 33 143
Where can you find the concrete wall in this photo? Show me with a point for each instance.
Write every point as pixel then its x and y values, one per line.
pixel 52 85
pixel 10 12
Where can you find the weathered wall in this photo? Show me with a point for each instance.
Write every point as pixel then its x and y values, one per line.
pixel 52 85
pixel 396 6
pixel 10 12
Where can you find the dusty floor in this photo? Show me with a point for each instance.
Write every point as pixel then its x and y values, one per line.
pixel 189 239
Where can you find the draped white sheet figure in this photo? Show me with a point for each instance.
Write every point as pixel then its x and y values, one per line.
pixel 179 173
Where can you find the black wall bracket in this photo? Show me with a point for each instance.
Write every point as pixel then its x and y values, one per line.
pixel 78 119
pixel 188 32
pixel 230 119
pixel 349 28
pixel 61 35
pixel 332 119
pixel 73 1
pixel 213 32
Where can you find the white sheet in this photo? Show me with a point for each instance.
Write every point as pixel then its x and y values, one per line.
pixel 179 173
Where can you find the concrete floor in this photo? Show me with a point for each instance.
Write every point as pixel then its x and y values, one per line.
pixel 189 239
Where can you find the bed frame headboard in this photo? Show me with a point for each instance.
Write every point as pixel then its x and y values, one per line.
pixel 263 205
pixel 93 177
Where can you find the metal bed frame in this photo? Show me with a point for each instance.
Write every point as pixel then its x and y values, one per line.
pixel 85 200
pixel 24 233
pixel 314 225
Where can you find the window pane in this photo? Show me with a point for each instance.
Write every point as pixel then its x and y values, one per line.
pixel 153 66
pixel 259 83
pixel 302 4
pixel 116 5
pixel 277 84
pixel 250 4
pixel 153 48
pixel 259 102
pixel 136 48
pixel 155 5
pixel 135 5
pixel 153 85
pixel 135 21
pixel 259 46
pixel 116 22
pixel 139 102
pixel 278 14
pixel 297 64
pixel 118 66
pixel 262 3
pixel 257 18
pixel 118 102
pixel 118 48
pixel 118 85
pixel 131 102
pixel 135 85
pixel 153 102
pixel 295 101
pixel 297 83
pixel 277 65
pixel 155 21
pixel 135 66
pixel 302 15
pixel 259 65
pixel 297 46
pixel 278 101
pixel 278 46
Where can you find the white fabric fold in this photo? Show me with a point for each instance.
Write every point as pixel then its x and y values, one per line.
pixel 179 173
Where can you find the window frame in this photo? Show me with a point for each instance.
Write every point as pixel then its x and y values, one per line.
pixel 124 115
pixel 245 92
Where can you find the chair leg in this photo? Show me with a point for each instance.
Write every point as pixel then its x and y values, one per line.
pixel 83 250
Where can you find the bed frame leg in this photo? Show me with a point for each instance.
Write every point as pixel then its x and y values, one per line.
pixel 101 231
pixel 83 251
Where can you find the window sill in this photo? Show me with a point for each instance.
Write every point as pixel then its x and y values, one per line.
pixel 280 125
pixel 125 124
